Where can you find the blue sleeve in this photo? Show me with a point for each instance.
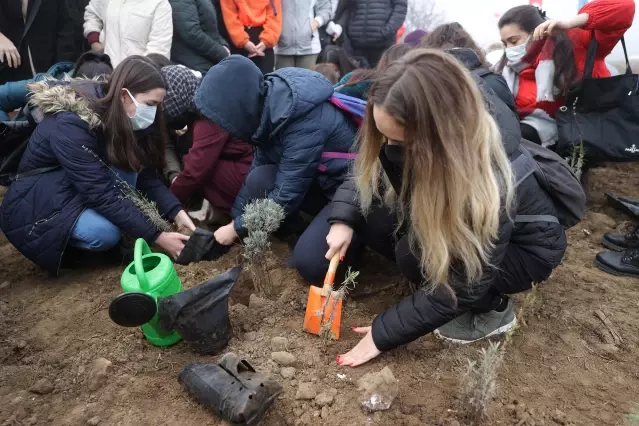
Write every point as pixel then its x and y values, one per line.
pixel 13 95
pixel 153 188
pixel 297 167
pixel 75 147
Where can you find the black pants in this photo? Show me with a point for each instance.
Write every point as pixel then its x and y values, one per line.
pixel 529 133
pixel 517 272
pixel 265 63
pixel 372 55
pixel 260 182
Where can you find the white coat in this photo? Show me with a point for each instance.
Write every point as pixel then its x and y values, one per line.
pixel 131 27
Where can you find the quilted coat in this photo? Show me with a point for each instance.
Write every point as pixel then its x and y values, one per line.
pixel 196 40
pixel 422 312
pixel 372 23
pixel 287 115
pixel 39 212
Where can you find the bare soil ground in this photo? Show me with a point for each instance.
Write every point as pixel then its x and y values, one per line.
pixel 563 367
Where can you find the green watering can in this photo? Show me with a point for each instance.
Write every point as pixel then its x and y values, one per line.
pixel 149 277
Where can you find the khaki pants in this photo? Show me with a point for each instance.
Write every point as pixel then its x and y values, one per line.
pixel 290 61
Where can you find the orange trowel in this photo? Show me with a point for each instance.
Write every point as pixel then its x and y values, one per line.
pixel 324 307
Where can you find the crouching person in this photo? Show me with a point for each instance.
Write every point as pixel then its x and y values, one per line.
pixel 96 138
pixel 216 164
pixel 438 195
pixel 301 139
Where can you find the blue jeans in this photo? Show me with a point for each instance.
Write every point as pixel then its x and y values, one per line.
pixel 92 231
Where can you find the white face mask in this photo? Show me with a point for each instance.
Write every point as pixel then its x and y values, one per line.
pixel 516 53
pixel 144 114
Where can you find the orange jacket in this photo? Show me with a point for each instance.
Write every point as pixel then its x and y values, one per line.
pixel 239 14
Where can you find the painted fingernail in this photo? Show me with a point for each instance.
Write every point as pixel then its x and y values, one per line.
pixel 341 259
pixel 337 359
pixel 353 328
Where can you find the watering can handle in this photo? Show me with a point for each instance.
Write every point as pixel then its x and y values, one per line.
pixel 141 248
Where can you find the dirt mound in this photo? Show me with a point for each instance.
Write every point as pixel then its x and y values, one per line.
pixel 63 362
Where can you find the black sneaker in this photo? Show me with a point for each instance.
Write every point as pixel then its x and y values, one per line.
pixel 619 242
pixel 624 264
pixel 470 327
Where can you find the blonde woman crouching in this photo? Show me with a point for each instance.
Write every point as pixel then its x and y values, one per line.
pixel 433 190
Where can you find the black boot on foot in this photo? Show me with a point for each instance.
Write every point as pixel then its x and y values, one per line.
pixel 624 264
pixel 619 242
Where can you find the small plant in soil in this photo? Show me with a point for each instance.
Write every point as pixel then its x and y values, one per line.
pixel 348 285
pixel 633 418
pixel 577 159
pixel 146 206
pixel 479 382
pixel 261 219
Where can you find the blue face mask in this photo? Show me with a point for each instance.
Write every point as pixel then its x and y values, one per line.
pixel 144 114
pixel 516 53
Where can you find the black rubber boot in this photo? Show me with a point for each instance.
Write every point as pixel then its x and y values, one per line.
pixel 624 264
pixel 232 388
pixel 201 314
pixel 620 242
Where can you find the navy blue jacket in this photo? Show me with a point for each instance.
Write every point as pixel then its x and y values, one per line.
pixel 287 115
pixel 39 212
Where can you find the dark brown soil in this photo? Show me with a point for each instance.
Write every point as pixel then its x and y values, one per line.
pixel 562 367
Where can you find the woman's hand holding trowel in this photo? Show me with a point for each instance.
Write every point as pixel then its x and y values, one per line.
pixel 338 239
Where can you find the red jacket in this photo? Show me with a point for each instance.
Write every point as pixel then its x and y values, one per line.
pixel 610 19
pixel 215 166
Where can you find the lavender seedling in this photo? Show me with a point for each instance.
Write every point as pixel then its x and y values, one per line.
pixel 261 219
pixel 331 303
pixel 146 206
pixel 577 159
pixel 479 382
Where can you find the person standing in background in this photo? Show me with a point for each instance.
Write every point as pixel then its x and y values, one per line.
pixel 196 41
pixel 327 39
pixel 372 26
pixel 76 10
pixel 124 28
pixel 254 27
pixel 299 43
pixel 33 37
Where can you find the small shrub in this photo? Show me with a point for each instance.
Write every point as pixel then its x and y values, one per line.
pixel 146 206
pixel 479 382
pixel 331 303
pixel 577 159
pixel 261 219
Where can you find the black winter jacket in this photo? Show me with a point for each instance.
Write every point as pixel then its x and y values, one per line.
pixel 49 35
pixel 423 312
pixel 372 23
pixel 495 82
pixel 197 43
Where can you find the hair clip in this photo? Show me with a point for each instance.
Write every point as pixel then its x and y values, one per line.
pixel 542 12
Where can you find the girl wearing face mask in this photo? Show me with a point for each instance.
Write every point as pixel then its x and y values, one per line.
pixel 543 58
pixel 433 191
pixel 95 139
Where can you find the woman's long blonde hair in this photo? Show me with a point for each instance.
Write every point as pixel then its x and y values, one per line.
pixel 456 178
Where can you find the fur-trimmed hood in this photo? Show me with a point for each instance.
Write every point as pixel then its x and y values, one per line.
pixel 54 96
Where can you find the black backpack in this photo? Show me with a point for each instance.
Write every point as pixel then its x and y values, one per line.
pixel 555 176
pixel 14 138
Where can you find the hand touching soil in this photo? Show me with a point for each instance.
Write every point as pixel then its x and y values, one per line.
pixel 363 352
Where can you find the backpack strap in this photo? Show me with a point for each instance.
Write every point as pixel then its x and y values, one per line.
pixel 524 166
pixel 34 172
pixel 532 218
